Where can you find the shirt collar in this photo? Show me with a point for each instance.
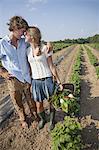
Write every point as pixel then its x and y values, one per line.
pixel 7 38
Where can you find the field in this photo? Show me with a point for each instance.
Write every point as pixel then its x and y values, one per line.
pixel 13 137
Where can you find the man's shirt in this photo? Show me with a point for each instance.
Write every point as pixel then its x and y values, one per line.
pixel 14 60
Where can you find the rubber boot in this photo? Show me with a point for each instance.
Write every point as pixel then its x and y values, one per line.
pixel 52 119
pixel 42 120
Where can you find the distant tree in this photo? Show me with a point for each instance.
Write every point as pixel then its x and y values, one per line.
pixel 94 39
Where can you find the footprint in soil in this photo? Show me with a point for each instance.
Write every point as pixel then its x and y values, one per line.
pixel 92 139
pixel 8 142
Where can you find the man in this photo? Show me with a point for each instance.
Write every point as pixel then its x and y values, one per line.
pixel 15 66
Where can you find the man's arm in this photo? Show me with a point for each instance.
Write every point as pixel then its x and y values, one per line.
pixel 3 72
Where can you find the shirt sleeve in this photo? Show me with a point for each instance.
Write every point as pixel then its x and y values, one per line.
pixel 27 51
pixel 2 53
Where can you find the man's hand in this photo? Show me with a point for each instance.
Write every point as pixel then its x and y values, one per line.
pixel 4 73
pixel 49 47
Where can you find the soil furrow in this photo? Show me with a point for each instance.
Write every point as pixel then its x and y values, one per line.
pixel 89 104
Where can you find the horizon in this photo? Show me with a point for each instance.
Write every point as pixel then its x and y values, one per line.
pixel 57 20
pixel 68 38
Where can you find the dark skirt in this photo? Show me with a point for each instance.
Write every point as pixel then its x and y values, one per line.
pixel 42 89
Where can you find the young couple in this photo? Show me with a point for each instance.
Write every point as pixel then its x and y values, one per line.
pixel 27 62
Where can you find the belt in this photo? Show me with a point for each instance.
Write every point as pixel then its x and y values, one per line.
pixel 42 79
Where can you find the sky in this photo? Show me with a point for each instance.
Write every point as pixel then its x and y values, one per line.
pixel 57 19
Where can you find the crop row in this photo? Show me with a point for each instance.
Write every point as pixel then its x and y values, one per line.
pixel 67 134
pixel 93 60
pixel 59 46
pixel 95 45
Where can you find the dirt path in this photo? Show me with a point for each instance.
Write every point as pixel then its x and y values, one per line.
pixel 89 104
pixel 65 67
pixel 12 137
pixel 3 90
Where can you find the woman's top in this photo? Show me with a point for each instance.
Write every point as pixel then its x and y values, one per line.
pixel 39 65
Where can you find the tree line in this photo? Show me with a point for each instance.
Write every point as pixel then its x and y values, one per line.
pixel 93 39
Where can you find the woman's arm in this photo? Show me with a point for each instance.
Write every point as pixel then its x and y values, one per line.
pixel 54 71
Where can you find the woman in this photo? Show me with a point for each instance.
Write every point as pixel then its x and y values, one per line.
pixel 42 71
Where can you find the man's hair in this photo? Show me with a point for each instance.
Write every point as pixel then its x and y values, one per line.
pixel 17 22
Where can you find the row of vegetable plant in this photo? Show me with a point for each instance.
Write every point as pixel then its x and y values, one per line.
pixel 67 134
pixel 93 60
pixel 94 45
pixel 59 46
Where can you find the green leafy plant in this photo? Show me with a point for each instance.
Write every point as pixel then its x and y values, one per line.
pixel 67 104
pixel 75 77
pixel 59 45
pixel 97 71
pixel 58 95
pixel 93 60
pixel 66 135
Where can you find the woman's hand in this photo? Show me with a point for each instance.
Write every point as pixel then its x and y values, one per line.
pixel 60 87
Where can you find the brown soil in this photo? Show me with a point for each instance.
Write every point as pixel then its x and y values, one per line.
pixel 3 90
pixel 13 137
pixel 89 104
